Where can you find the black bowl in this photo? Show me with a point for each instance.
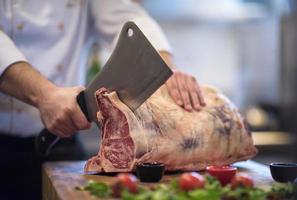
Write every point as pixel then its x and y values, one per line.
pixel 283 172
pixel 150 172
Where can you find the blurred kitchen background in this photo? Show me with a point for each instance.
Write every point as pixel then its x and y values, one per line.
pixel 247 48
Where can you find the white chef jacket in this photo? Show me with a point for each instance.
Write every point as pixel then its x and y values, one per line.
pixel 50 35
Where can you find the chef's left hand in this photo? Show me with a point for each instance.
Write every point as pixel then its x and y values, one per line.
pixel 183 88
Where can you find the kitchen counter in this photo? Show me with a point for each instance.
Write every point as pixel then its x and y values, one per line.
pixel 61 178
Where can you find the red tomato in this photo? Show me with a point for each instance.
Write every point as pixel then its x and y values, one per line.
pixel 128 181
pixel 191 180
pixel 242 180
pixel 224 174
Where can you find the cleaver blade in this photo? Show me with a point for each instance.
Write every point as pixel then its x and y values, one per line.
pixel 135 71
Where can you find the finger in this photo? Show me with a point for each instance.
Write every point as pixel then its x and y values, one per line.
pixel 79 89
pixel 66 130
pixel 56 129
pixel 79 120
pixel 200 94
pixel 193 94
pixel 195 101
pixel 183 89
pixel 65 126
pixel 60 132
pixel 173 90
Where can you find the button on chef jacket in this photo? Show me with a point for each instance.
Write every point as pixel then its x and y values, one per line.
pixel 51 36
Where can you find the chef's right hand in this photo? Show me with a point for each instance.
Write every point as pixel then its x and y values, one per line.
pixel 60 113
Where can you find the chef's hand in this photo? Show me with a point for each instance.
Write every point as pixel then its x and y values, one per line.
pixel 60 112
pixel 183 88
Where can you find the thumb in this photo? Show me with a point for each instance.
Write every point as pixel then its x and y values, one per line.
pixel 78 89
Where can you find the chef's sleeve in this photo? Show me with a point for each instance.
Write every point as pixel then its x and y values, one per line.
pixel 9 53
pixel 110 15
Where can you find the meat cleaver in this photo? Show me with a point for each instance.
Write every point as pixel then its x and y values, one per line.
pixel 135 71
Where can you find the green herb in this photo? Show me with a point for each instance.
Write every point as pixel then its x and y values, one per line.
pixel 98 189
pixel 244 193
pixel 281 191
pixel 212 191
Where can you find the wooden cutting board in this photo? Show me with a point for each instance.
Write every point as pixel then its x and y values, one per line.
pixel 61 178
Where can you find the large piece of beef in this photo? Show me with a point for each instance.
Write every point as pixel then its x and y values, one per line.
pixel 161 131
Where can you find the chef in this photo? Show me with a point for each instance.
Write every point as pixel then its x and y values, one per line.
pixel 41 43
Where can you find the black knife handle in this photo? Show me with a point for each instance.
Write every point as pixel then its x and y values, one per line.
pixel 81 101
pixel 46 140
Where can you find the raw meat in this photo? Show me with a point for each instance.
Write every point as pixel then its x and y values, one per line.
pixel 161 131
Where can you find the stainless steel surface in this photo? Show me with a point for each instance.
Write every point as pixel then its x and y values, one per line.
pixel 135 70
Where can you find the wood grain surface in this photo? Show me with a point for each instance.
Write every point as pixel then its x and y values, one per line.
pixel 61 178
